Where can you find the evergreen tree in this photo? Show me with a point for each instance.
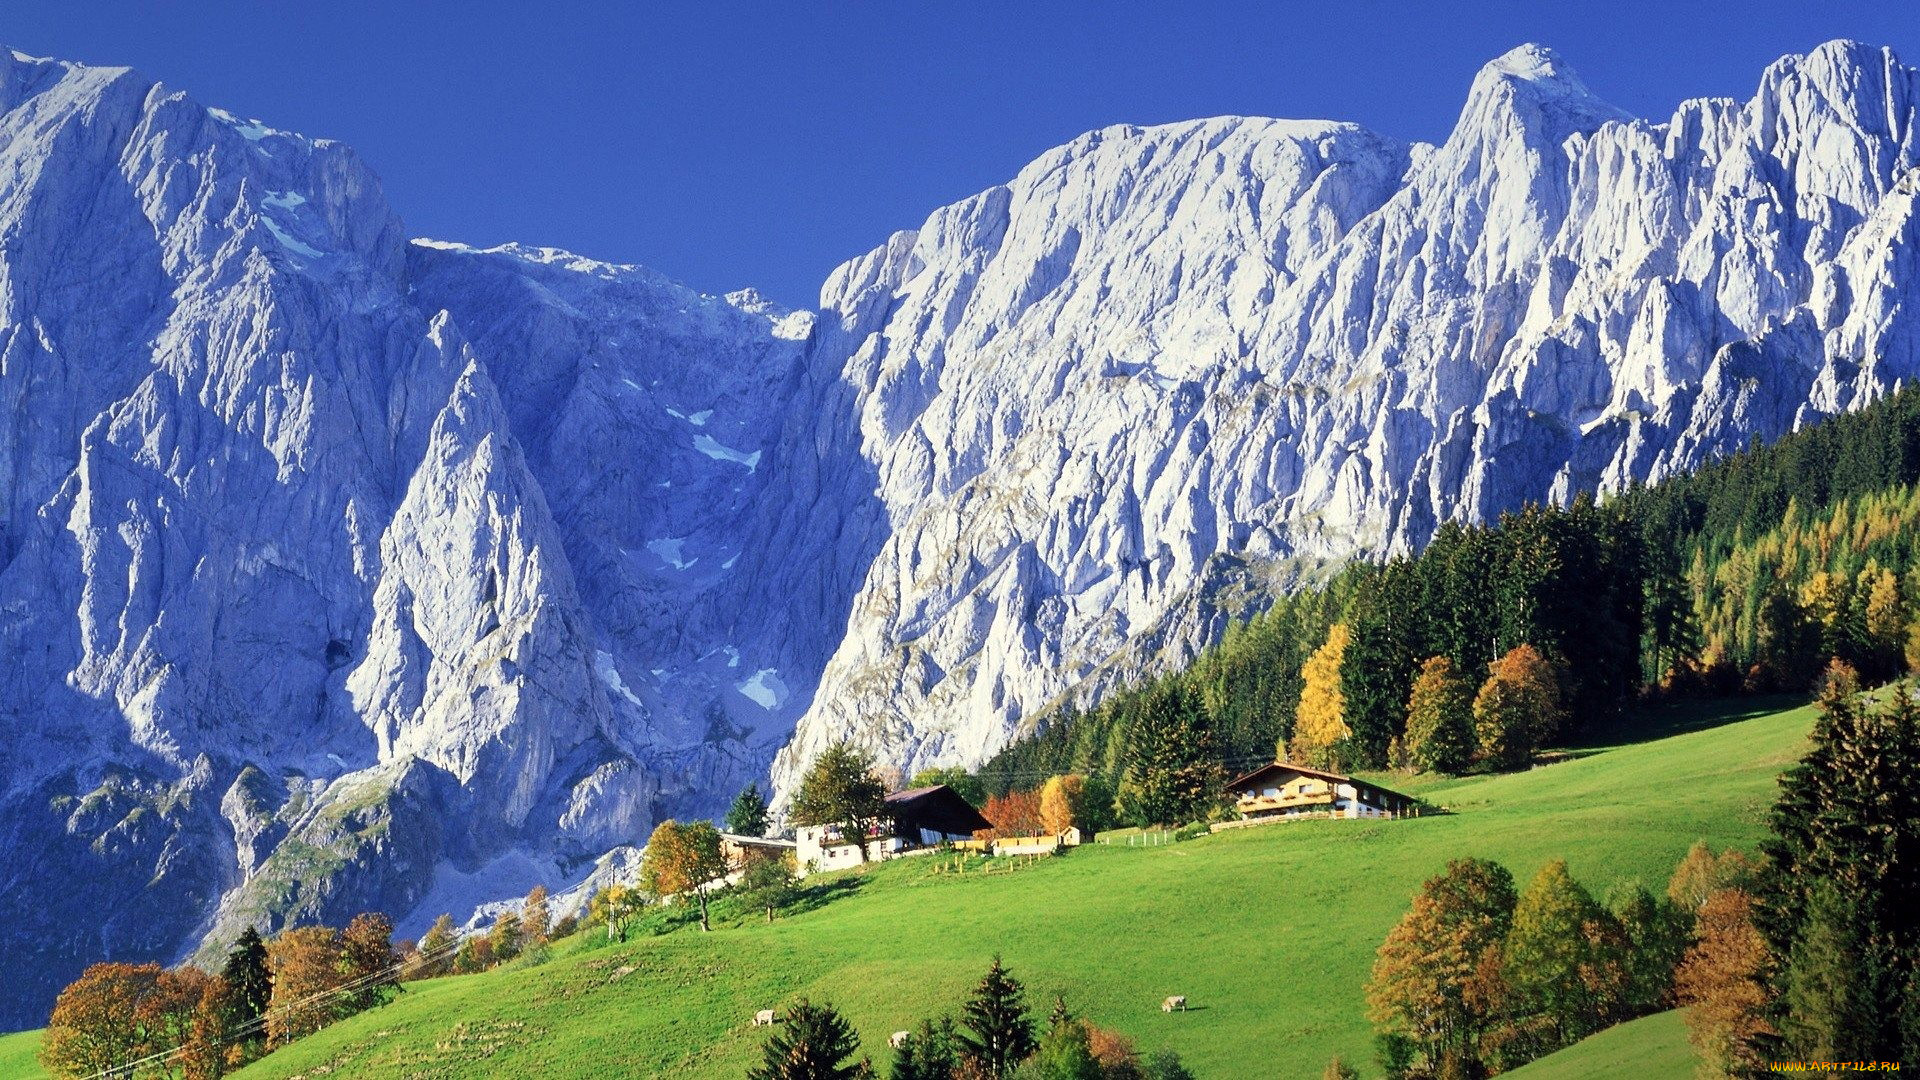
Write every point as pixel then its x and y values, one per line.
pixel 1440 718
pixel 1848 820
pixel 1376 668
pixel 996 1014
pixel 248 985
pixel 1174 775
pixel 1834 987
pixel 932 1052
pixel 748 814
pixel 813 1044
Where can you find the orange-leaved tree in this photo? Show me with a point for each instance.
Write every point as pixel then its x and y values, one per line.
pixel 681 860
pixel 1017 813
pixel 1438 975
pixel 1062 801
pixel 306 968
pixel 1725 982
pixel 1518 707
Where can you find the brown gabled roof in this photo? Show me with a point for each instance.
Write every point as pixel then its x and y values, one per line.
pixel 1308 770
pixel 938 807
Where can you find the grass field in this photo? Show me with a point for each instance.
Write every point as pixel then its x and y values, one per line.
pixel 17 1056
pixel 1652 1046
pixel 1269 932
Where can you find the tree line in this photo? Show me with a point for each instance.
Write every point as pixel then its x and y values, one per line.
pixel 1810 952
pixel 1744 576
pixel 147 1021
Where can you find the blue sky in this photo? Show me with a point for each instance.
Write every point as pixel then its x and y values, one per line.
pixel 729 144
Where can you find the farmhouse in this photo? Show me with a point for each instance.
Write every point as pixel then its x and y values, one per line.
pixel 741 850
pixel 914 820
pixel 1284 790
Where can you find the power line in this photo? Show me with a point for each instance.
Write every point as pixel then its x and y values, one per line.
pixel 259 1023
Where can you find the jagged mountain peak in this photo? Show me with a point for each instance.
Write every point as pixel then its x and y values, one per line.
pixel 340 572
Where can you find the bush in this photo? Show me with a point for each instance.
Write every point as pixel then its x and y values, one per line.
pixel 1190 831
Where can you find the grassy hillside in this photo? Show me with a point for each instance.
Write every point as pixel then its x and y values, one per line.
pixel 1650 1048
pixel 1270 932
pixel 17 1056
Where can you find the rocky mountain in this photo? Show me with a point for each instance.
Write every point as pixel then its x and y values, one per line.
pixel 340 571
pixel 1164 368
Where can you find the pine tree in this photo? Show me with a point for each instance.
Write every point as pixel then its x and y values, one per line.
pixel 1174 775
pixel 813 1044
pixel 748 814
pixel 932 1052
pixel 1440 718
pixel 249 985
pixel 996 1014
pixel 1832 1007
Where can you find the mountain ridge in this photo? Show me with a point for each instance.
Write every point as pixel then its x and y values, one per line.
pixel 338 567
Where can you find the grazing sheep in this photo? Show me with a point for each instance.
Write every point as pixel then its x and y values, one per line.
pixel 898 1039
pixel 764 1016
pixel 1177 1001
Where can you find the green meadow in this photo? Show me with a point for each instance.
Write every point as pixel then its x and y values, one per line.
pixel 1269 932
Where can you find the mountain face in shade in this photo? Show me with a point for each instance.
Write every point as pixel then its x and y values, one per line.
pixel 339 571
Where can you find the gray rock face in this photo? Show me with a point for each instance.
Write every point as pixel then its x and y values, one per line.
pixel 313 606
pixel 341 572
pixel 1164 360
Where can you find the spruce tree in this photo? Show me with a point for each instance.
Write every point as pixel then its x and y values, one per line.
pixel 249 983
pixel 813 1044
pixel 1831 1009
pixel 748 814
pixel 996 1014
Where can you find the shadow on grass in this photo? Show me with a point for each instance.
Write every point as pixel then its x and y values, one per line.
pixel 1652 722
pixel 815 897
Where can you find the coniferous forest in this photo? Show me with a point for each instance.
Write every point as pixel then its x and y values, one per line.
pixel 1744 577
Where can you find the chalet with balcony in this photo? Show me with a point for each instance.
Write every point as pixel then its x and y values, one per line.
pixel 1283 791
